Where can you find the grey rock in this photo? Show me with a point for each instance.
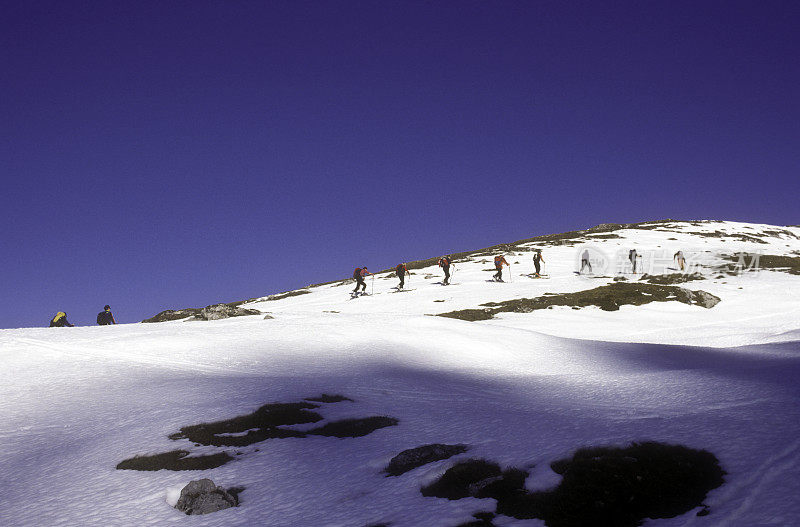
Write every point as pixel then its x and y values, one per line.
pixel 173 314
pixel 422 455
pixel 203 497
pixel 212 312
pixel 705 299
pixel 220 311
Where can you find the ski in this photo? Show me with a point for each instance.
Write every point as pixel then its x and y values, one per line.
pixel 357 295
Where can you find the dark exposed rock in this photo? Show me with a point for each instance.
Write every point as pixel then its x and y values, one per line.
pixel 203 497
pixel 220 311
pixel 354 427
pixel 608 297
pixel 326 398
pixel 477 478
pixel 260 425
pixel 213 312
pixel 169 314
pixel 421 455
pixel 175 460
pixel 482 519
pixel 622 486
pixel 705 299
pixel 669 279
pixel 287 294
pixel 600 486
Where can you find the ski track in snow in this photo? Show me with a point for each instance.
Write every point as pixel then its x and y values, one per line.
pixel 521 389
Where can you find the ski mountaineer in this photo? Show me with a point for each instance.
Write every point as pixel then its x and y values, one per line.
pixel 359 274
pixel 537 261
pixel 499 261
pixel 632 255
pixel 402 271
pixel 105 317
pixel 681 260
pixel 60 321
pixel 585 261
pixel 445 262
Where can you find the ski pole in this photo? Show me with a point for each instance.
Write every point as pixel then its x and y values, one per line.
pixel 510 274
pixel 372 289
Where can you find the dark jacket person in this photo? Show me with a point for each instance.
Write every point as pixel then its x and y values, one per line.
pixel 105 317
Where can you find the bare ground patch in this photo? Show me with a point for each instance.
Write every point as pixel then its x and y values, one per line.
pixel 608 298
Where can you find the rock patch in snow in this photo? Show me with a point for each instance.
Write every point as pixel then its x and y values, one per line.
pixel 421 455
pixel 771 262
pixel 175 460
pixel 482 519
pixel 176 314
pixel 354 427
pixel 220 311
pixel 264 423
pixel 608 298
pixel 600 486
pixel 212 312
pixel 326 398
pixel 669 279
pixel 203 497
pixel 476 478
pixel 287 294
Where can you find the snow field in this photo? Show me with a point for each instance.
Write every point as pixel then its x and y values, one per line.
pixel 74 402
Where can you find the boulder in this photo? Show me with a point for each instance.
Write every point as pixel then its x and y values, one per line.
pixel 705 299
pixel 220 311
pixel 173 314
pixel 212 312
pixel 203 497
pixel 422 455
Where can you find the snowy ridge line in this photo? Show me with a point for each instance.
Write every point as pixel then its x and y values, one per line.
pixel 700 232
pixel 758 299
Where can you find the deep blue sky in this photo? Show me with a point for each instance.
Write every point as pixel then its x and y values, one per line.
pixel 161 155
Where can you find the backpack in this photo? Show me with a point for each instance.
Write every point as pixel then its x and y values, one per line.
pixel 357 272
pixel 498 261
pixel 444 261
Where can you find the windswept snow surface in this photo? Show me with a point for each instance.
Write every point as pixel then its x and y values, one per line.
pixel 522 389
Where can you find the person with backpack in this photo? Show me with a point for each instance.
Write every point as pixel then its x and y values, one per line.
pixel 681 260
pixel 537 262
pixel 105 317
pixel 632 256
pixel 359 274
pixel 445 262
pixel 402 271
pixel 499 261
pixel 585 261
pixel 60 321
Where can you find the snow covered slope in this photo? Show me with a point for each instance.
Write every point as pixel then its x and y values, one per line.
pixel 763 303
pixel 521 389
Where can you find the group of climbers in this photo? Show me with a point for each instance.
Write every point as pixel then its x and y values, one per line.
pixel 104 318
pixel 445 262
